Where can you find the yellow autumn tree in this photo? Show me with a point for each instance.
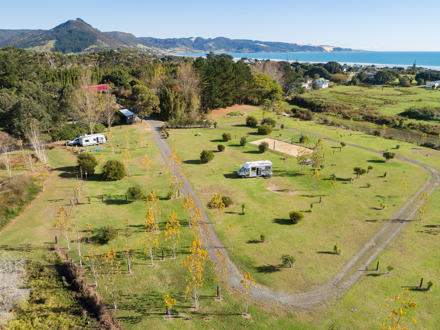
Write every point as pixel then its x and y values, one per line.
pixel 126 246
pixel 63 224
pixel 112 275
pixel 400 310
pixel 195 263
pixel 94 261
pixel 177 173
pixel 217 206
pixel 169 303
pixel 172 232
pixel 152 202
pixel 149 242
pixel 221 272
pixel 248 284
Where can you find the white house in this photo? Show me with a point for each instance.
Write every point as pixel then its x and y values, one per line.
pixel 432 84
pixel 321 83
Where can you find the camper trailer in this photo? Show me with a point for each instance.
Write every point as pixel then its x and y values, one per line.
pixel 88 140
pixel 256 169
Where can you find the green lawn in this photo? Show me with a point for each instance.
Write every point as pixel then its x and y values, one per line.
pixel 348 215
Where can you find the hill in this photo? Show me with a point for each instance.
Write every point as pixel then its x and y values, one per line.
pixel 221 44
pixel 70 37
pixel 76 36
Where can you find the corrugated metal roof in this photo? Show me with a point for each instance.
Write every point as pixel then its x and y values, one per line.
pixel 126 112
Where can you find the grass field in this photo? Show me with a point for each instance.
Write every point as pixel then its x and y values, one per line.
pixel 388 100
pixel 141 293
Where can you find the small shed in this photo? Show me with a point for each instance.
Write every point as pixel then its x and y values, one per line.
pixel 127 116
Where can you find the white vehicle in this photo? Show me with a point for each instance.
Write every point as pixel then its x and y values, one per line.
pixel 88 140
pixel 256 169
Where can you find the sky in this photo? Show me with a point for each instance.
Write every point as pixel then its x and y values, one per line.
pixel 386 25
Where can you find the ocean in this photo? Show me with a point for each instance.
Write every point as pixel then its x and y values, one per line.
pixel 423 59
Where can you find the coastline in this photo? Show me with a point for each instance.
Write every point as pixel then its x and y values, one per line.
pixel 271 58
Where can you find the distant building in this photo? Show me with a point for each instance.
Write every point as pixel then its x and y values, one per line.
pixel 307 85
pixel 321 83
pixel 97 88
pixel 432 84
pixel 127 117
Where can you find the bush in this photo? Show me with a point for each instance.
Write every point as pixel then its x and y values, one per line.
pixel 296 216
pixel 105 234
pixel 287 260
pixel 220 147
pixel 99 128
pixel 251 121
pixel 135 193
pixel 263 146
pixel 243 141
pixel 68 132
pixel 206 156
pixel 87 163
pixel 262 238
pixel 305 139
pixel 388 155
pixel 264 130
pixel 113 170
pixel 269 122
pixel 226 137
pixel 227 201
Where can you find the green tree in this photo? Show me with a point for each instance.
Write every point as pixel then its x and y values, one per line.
pixel 145 100
pixel 113 170
pixel 296 216
pixel 87 163
pixel 266 88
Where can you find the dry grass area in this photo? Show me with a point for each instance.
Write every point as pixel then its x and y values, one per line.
pixel 284 147
pixel 426 152
pixel 236 107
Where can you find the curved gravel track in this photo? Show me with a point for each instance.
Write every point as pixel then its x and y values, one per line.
pixel 349 274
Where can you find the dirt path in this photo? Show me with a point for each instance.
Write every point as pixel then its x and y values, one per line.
pixel 349 274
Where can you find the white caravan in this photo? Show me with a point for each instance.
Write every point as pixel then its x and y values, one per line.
pixel 88 140
pixel 256 169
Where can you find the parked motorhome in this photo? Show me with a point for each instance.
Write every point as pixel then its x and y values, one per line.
pixel 256 169
pixel 88 140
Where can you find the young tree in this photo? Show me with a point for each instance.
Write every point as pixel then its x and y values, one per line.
pixel 126 247
pixel 388 155
pixel 95 262
pixel 221 272
pixel 169 303
pixel 113 275
pixel 195 263
pixel 359 171
pixel 401 307
pixel 149 243
pixel 63 224
pixel 217 205
pixel 172 232
pixel 287 260
pixel 154 211
pixel 318 155
pixel 248 284
pixel 177 173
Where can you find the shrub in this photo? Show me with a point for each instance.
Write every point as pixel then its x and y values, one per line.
pixel 113 170
pixel 135 193
pixel 68 132
pixel 390 269
pixel 343 144
pixel 388 155
pixel 263 146
pixel 429 286
pixel 243 141
pixel 269 122
pixel 99 128
pixel 262 238
pixel 336 249
pixel 227 201
pixel 226 137
pixel 296 216
pixel 220 147
pixel 87 163
pixel 206 156
pixel 105 234
pixel 251 121
pixel 287 260
pixel 305 139
pixel 264 130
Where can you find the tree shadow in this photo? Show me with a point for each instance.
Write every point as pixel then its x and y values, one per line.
pixel 267 269
pixel 67 172
pixel 192 161
pixel 375 274
pixel 254 241
pixel 252 152
pixel 326 252
pixel 377 161
pixel 116 201
pixel 285 222
pixel 218 140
